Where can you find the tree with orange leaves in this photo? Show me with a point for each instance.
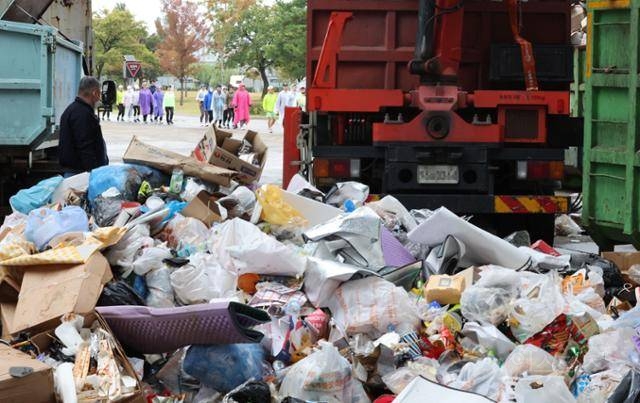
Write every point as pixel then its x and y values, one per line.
pixel 183 32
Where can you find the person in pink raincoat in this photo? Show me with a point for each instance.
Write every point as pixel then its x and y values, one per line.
pixel 241 105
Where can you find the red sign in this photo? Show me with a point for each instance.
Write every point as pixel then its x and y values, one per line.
pixel 133 68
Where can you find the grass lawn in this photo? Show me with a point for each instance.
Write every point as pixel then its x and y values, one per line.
pixel 191 108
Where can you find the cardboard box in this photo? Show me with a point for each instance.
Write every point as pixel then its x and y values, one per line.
pixel 36 387
pixel 9 287
pixel 164 160
pixel 50 291
pixel 43 341
pixel 470 275
pixel 204 208
pixel 447 290
pixel 623 260
pixel 217 147
pixel 7 312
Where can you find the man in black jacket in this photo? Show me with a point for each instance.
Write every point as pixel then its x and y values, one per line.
pixel 82 147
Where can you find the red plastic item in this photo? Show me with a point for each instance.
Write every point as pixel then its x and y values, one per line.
pixel 542 246
pixel 385 399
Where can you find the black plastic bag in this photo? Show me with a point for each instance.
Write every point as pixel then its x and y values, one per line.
pixel 106 209
pixel 119 293
pixel 251 392
pixel 628 391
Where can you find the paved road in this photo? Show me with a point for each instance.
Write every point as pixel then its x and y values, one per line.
pixel 182 138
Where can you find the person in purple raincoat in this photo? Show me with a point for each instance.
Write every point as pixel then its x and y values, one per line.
pixel 146 101
pixel 158 105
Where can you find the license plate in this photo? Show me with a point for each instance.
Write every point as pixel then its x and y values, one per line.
pixel 438 174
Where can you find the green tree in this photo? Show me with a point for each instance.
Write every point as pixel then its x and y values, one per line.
pixel 117 33
pixel 288 48
pixel 259 36
pixel 249 39
pixel 152 41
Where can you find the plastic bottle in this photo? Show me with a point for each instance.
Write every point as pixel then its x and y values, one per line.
pixel 177 178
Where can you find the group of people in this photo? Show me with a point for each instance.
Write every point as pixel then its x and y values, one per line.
pixel 230 109
pixel 152 102
pixel 274 103
pixel 224 107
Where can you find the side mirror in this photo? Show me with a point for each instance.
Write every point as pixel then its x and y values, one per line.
pixel 108 92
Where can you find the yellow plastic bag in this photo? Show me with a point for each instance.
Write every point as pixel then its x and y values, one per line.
pixel 275 210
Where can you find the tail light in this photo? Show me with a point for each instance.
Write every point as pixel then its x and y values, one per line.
pixel 556 170
pixel 339 168
pixel 542 170
pixel 323 168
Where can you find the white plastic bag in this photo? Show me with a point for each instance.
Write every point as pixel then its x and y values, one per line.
pixel 77 183
pixel 160 289
pixel 186 234
pixel 202 280
pixel 397 380
pixel 532 360
pixel 150 259
pixel 125 251
pixel 542 301
pixel 373 305
pixel 486 305
pixel 322 376
pixel 538 389
pixel 13 220
pixel 391 205
pixel 242 247
pixel 609 349
pixel 483 377
pixel 190 285
pixel 489 338
pixel 602 384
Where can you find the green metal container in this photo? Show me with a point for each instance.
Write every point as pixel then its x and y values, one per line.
pixel 611 176
pixel 39 76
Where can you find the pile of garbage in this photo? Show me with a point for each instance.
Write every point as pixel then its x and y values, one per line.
pixel 126 284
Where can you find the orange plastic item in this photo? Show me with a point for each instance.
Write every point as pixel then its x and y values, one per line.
pixel 247 282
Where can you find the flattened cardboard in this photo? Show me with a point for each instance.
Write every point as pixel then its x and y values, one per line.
pixel 164 160
pixel 36 387
pixel 49 292
pixel 7 312
pixel 217 147
pixel 204 208
pixel 9 287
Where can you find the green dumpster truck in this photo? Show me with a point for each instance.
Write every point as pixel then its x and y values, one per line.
pixel 611 161
pixel 40 69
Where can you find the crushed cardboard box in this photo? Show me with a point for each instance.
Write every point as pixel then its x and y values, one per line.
pixel 48 292
pixel 164 160
pixel 43 340
pixel 34 387
pixel 218 147
pixel 205 208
